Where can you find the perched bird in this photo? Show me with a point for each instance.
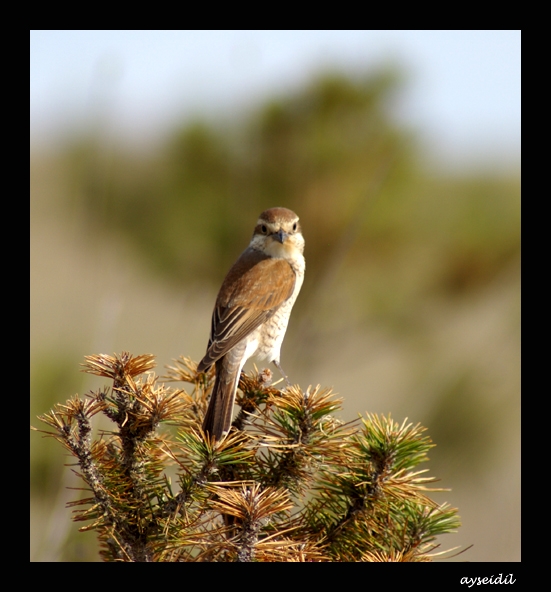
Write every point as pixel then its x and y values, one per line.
pixel 252 309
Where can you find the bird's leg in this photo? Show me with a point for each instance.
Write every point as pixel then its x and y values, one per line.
pixel 277 365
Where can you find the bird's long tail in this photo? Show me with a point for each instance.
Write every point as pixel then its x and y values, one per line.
pixel 219 414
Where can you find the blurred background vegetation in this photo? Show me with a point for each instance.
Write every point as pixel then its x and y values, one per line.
pixel 410 303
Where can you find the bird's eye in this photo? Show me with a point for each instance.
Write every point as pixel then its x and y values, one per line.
pixel 295 226
pixel 263 229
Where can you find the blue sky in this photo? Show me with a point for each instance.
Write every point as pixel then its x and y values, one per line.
pixel 461 94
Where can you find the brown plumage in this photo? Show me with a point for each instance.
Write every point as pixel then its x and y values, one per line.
pixel 252 309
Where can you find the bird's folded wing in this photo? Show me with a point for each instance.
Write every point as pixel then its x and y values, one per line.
pixel 252 292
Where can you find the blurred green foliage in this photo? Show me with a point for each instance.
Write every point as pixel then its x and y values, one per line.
pixel 331 152
pixel 191 207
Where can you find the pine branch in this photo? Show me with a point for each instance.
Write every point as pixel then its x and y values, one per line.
pixel 290 482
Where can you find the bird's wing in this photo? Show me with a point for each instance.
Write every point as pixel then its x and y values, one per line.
pixel 255 287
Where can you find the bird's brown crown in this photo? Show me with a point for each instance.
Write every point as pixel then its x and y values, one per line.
pixel 277 216
pixel 275 219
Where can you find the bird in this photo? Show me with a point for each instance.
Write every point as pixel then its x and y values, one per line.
pixel 252 310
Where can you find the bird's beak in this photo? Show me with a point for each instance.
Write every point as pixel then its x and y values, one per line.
pixel 280 236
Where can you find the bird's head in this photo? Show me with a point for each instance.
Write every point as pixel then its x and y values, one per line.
pixel 278 234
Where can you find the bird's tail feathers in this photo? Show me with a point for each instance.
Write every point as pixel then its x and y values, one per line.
pixel 218 418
